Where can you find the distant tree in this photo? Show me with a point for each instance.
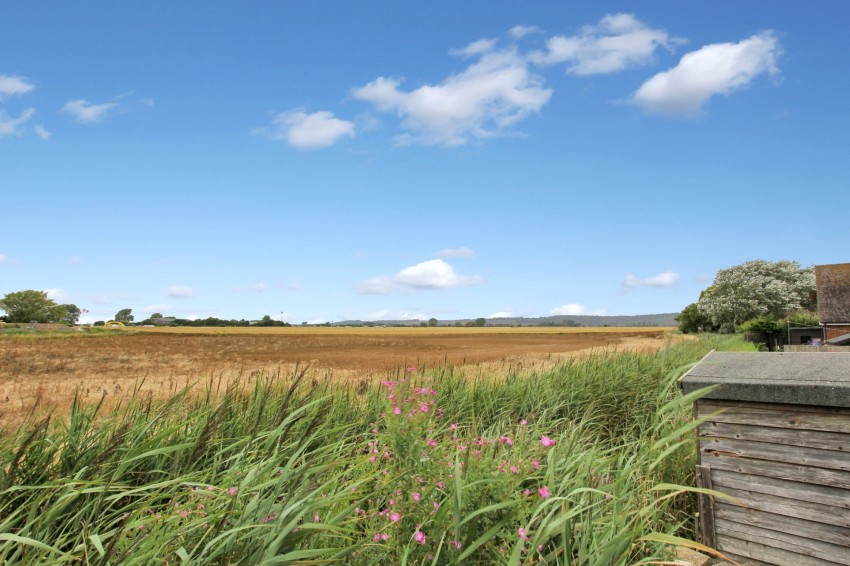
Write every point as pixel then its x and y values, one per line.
pixel 26 306
pixel 156 315
pixel 432 322
pixel 99 323
pixel 124 315
pixel 72 314
pixel 480 322
pixel 423 324
pixel 757 288
pixel 692 320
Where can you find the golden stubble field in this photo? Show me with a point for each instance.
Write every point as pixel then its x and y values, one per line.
pixel 49 370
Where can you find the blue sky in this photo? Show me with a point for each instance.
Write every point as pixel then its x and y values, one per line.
pixel 332 160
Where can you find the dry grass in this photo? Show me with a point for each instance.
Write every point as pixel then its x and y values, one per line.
pixel 48 371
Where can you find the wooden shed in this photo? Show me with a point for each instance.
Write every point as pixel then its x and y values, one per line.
pixel 776 438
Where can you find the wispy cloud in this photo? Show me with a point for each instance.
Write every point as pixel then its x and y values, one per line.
pixel 162 307
pixel 455 252
pixel 307 131
pixel 57 294
pixel 4 259
pixel 518 32
pixel 41 131
pixel 665 279
pixel 396 315
pixel 617 42
pixel 716 69
pixel 252 288
pixel 12 126
pixel 73 260
pixel 180 292
pixel 503 314
pixel 85 112
pixel 428 275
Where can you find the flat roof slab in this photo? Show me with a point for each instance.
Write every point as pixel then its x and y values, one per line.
pixel 798 378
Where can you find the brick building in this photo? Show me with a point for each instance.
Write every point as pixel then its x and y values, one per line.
pixel 833 285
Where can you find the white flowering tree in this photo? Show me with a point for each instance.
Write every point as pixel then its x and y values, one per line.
pixel 757 288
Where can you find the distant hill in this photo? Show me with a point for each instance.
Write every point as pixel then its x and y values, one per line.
pixel 663 319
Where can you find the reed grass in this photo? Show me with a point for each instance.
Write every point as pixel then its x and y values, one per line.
pixel 587 462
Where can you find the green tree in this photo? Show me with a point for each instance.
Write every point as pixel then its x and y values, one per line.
pixel 26 306
pixel 692 320
pixel 480 322
pixel 757 288
pixel 124 315
pixel 72 314
pixel 432 322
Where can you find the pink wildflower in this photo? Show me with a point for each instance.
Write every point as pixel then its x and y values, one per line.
pixel 514 470
pixel 521 533
pixel 453 426
pixel 546 441
pixel 395 517
pixel 419 536
pixel 232 491
pixel 544 493
pixel 523 422
pixel 316 518
pixel 397 411
pixel 416 496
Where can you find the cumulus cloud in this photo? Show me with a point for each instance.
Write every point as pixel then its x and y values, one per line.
pixel 307 131
pixel 503 314
pixel 10 126
pixel 617 42
pixel 455 252
pixel 719 68
pixel 665 279
pixel 475 48
pixel 84 112
pixel 492 94
pixel 180 292
pixel 11 85
pixel 432 274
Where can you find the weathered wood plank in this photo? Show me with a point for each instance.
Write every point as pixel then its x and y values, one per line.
pixel 791 525
pixel 791 437
pixel 706 508
pixel 796 493
pixel 795 417
pixel 813 457
pixel 779 470
pixel 806 510
pixel 746 552
pixel 784 541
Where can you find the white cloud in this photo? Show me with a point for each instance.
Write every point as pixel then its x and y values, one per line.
pixel 503 314
pixel 575 309
pixel 479 47
pixel 433 274
pixel 307 131
pixel 85 112
pixel 381 285
pixel 180 292
pixel 455 252
pixel 252 288
pixel 14 86
pixel 41 131
pixel 396 315
pixel 719 68
pixel 57 294
pixel 11 126
pixel 665 279
pixel 618 41
pixel 486 99
pixel 518 32
pixel 161 308
pixel 568 309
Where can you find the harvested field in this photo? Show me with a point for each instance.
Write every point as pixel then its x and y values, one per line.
pixel 50 369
